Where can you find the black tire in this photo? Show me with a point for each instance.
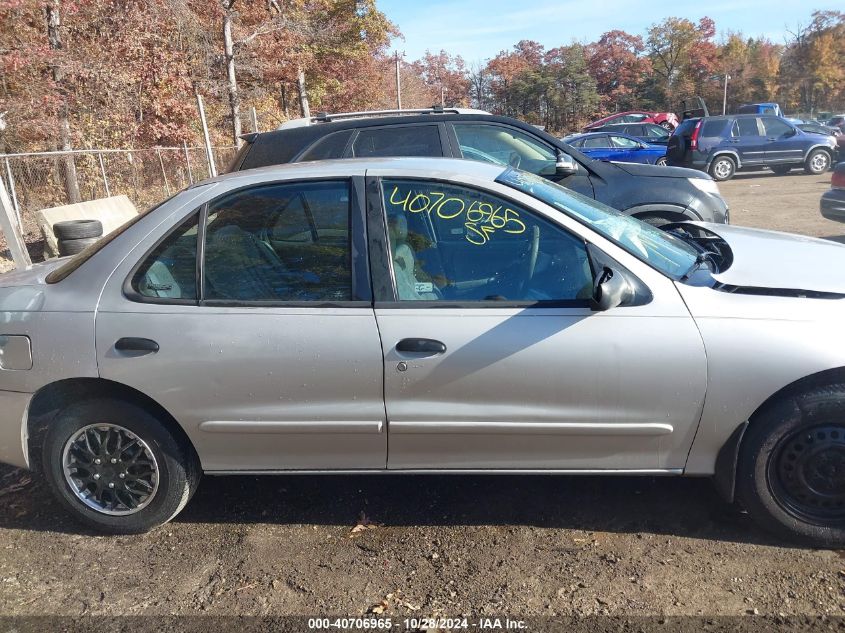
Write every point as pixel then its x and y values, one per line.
pixel 722 168
pixel 791 469
pixel 667 126
pixel 77 229
pixel 72 247
pixel 781 170
pixel 818 162
pixel 177 471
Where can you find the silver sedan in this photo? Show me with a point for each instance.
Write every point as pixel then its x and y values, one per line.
pixel 418 316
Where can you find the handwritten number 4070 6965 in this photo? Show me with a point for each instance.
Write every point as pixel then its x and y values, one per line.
pixel 481 219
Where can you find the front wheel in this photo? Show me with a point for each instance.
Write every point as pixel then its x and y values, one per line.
pixel 722 168
pixel 791 469
pixel 818 162
pixel 116 467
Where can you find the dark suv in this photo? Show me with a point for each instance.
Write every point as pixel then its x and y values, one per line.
pixel 655 194
pixel 721 145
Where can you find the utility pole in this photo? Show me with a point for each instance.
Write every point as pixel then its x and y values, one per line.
pixel 442 96
pixel 398 84
pixel 725 97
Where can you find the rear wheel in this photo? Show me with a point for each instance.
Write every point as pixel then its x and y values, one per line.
pixel 661 162
pixel 791 470
pixel 666 125
pixel 781 170
pixel 722 168
pixel 818 162
pixel 117 468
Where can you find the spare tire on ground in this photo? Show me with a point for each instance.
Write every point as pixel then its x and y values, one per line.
pixel 72 247
pixel 77 229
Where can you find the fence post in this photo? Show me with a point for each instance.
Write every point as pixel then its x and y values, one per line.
pixel 163 173
pixel 212 168
pixel 188 162
pixel 103 171
pixel 12 230
pixel 254 117
pixel 12 191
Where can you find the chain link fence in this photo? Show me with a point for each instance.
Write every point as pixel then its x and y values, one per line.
pixel 42 180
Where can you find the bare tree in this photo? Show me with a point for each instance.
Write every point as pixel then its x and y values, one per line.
pixel 231 78
pixel 54 37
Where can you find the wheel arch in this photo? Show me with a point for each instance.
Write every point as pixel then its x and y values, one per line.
pixel 673 213
pixel 724 476
pixel 724 152
pixel 812 148
pixel 52 398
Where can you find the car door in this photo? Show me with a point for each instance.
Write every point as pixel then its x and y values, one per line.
pixel 784 145
pixel 266 350
pixel 506 145
pixel 493 358
pixel 748 140
pixel 600 147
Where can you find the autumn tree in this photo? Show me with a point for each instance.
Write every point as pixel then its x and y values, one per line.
pixel 617 65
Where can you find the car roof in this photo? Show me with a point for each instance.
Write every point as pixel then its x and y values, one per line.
pixel 428 167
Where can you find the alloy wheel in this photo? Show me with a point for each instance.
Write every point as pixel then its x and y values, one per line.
pixel 110 469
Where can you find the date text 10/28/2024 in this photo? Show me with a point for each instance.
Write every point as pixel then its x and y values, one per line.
pixel 417 624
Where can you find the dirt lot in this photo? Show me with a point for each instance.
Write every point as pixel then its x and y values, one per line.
pixel 518 546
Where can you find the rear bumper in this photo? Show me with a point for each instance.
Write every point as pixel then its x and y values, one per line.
pixel 832 205
pixel 13 411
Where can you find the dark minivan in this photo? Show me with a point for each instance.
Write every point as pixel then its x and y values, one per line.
pixel 721 145
pixel 657 195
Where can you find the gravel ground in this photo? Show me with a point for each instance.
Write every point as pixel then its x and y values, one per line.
pixel 434 546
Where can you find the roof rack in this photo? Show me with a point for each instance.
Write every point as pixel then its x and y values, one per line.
pixel 326 117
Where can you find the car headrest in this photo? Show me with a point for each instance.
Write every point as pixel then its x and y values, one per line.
pixel 397 228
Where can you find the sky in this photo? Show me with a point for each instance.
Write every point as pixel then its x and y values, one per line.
pixel 478 29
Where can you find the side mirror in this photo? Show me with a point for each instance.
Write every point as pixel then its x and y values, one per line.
pixel 610 290
pixel 565 165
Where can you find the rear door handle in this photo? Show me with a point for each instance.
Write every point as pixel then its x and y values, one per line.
pixel 133 344
pixel 426 346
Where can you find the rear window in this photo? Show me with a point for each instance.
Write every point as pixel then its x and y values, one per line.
pixel 686 127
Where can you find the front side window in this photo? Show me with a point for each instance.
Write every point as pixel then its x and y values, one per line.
pixel 280 242
pixel 775 127
pixel 170 271
pixel 413 140
pixel 453 243
pixel 665 252
pixel 505 146
pixel 624 143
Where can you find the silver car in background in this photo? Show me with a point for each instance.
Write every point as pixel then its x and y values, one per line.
pixel 425 315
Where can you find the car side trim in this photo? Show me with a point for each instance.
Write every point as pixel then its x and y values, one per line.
pixel 531 428
pixel 284 427
pixel 651 472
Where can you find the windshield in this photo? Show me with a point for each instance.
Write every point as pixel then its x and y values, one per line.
pixel 667 253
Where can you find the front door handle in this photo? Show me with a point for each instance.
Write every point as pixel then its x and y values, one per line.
pixel 420 346
pixel 133 344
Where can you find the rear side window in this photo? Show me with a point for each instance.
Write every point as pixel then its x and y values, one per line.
pixel 416 140
pixel 597 141
pixel 712 128
pixel 282 242
pixel 331 146
pixel 746 127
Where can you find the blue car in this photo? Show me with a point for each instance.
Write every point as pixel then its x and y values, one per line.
pixel 620 148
